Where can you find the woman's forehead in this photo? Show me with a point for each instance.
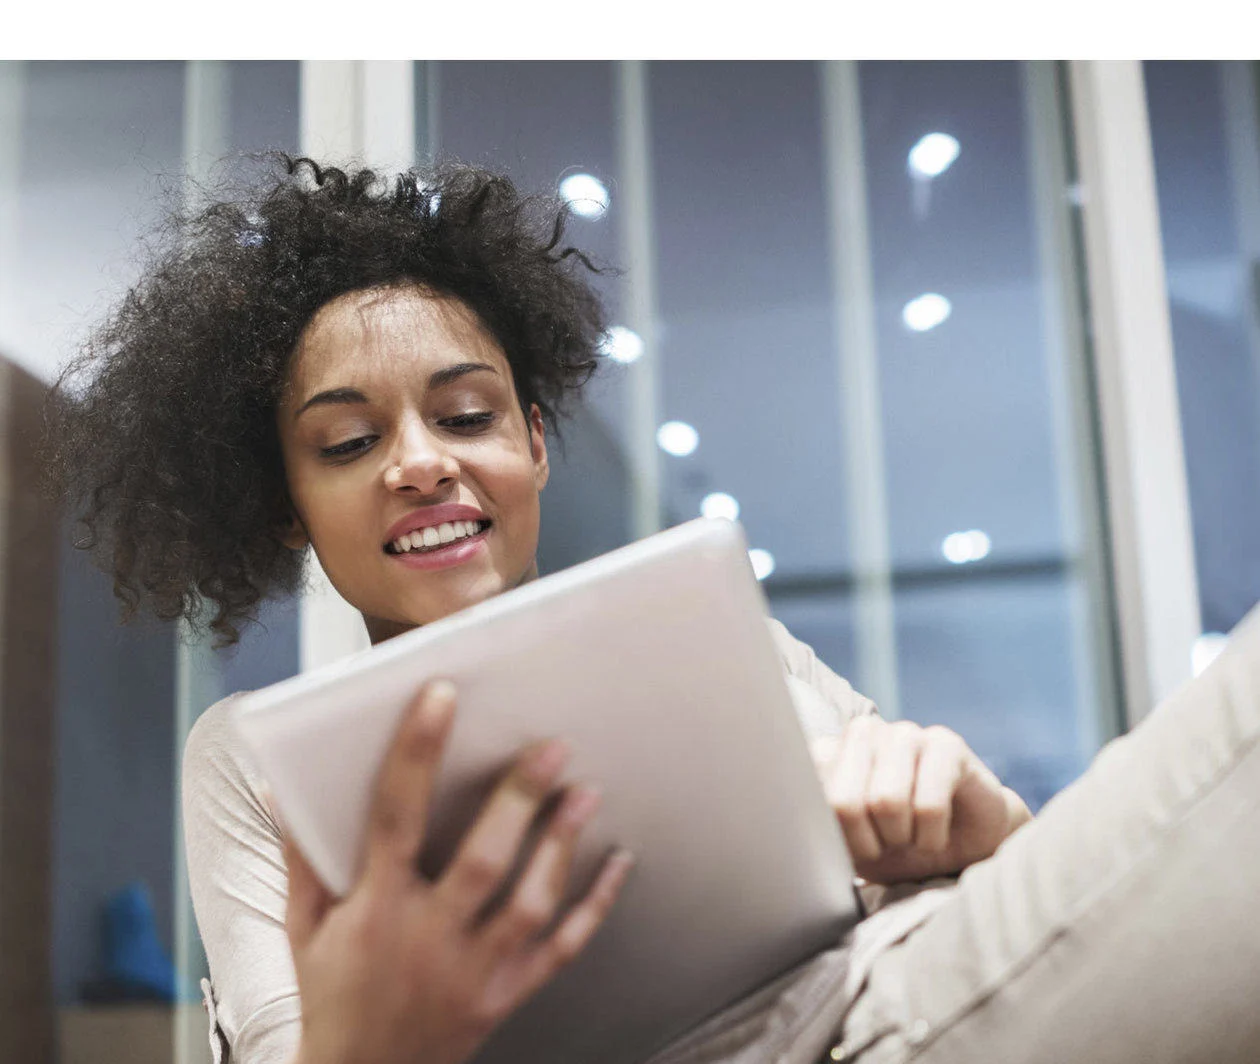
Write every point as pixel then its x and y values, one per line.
pixel 387 331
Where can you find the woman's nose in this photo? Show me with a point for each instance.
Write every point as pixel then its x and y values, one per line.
pixel 420 463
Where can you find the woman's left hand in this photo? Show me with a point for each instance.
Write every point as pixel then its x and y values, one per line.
pixel 913 802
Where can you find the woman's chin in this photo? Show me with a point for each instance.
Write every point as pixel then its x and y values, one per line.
pixel 415 615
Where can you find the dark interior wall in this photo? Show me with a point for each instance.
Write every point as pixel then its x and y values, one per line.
pixel 116 764
pixel 28 581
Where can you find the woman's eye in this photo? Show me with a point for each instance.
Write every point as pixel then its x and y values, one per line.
pixel 350 447
pixel 469 422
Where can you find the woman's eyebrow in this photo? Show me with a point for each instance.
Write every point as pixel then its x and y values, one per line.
pixel 341 396
pixel 451 373
pixel 332 397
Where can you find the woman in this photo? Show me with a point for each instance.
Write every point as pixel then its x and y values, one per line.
pixel 370 370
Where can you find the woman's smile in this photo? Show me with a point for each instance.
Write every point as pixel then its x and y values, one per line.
pixel 444 555
pixel 438 536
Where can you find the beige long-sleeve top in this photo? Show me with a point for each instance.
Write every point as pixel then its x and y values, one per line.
pixel 237 873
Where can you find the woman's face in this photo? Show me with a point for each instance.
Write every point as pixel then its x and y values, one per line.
pixel 400 423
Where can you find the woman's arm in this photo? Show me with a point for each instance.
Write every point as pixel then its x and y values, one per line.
pixel 237 877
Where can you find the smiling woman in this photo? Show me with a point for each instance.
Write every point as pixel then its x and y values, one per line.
pixel 332 361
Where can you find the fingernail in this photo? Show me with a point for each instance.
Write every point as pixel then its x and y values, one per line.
pixel 441 690
pixel 549 758
pixel 624 860
pixel 438 703
pixel 580 805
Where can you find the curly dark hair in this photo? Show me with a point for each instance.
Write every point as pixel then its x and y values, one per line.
pixel 161 432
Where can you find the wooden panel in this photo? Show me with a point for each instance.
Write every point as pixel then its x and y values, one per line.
pixel 28 615
pixel 123 1034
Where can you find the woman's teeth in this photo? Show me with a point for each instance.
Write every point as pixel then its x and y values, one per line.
pixel 436 536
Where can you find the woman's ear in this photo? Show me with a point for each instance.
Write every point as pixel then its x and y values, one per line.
pixel 294 537
pixel 538 446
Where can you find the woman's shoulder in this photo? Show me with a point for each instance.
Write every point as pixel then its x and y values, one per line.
pixel 217 769
pixel 213 740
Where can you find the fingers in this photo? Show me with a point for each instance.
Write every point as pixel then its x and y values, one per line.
pixel 941 768
pixel 578 928
pixel 405 783
pixel 538 894
pixel 846 789
pixel 308 899
pixel 891 789
pixel 490 848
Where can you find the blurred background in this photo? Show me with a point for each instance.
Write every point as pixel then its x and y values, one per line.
pixel 969 348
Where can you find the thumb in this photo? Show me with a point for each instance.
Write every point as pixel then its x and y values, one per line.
pixel 981 810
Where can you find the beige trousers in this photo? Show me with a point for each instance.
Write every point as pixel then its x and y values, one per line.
pixel 1121 925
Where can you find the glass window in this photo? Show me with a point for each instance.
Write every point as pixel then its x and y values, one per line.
pixel 991 606
pixel 748 350
pixel 990 610
pixel 1205 133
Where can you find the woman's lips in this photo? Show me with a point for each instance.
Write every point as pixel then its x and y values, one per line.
pixel 454 553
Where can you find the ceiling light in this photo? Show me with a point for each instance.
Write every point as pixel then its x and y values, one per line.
pixel 585 195
pixel 926 312
pixel 962 547
pixel 719 504
pixel 677 438
pixel 762 562
pixel 932 155
pixel 621 344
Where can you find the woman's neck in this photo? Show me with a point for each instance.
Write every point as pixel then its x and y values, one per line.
pixel 380 629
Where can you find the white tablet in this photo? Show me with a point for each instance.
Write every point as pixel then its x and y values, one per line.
pixel 656 665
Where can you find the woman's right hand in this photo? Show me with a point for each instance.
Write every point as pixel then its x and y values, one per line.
pixel 402 969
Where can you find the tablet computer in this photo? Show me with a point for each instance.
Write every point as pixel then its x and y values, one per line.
pixel 656 664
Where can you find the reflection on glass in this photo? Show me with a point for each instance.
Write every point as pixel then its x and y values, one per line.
pixel 962 547
pixel 719 504
pixel 925 312
pixel 585 194
pixel 932 155
pixel 677 438
pixel 762 562
pixel 621 344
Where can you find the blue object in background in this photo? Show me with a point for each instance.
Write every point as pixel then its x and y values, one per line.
pixel 136 966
